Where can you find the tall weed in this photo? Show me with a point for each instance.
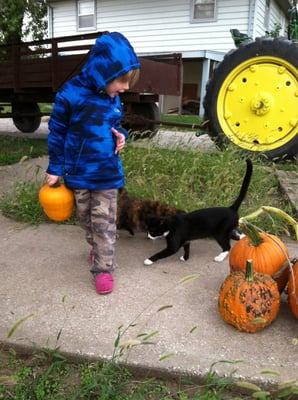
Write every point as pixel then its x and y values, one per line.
pixel 190 180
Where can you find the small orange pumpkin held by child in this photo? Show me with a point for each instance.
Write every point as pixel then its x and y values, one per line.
pixel 249 300
pixel 57 201
pixel 293 289
pixel 268 253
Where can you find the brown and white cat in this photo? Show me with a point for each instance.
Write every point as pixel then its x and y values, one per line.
pixel 218 222
pixel 132 212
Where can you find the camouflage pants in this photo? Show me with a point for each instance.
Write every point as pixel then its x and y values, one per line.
pixel 96 210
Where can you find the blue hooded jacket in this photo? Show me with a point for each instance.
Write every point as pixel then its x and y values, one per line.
pixel 81 144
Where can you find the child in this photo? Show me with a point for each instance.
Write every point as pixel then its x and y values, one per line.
pixel 84 143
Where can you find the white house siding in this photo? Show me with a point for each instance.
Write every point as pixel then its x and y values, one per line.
pixel 159 26
pixel 64 18
pixel 259 18
pixel 276 16
pixel 164 26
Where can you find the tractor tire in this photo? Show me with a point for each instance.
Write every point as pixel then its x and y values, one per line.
pixel 252 98
pixel 26 123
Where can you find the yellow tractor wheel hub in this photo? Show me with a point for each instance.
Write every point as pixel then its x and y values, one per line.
pixel 257 104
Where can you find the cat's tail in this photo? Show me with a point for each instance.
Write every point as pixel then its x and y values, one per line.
pixel 244 187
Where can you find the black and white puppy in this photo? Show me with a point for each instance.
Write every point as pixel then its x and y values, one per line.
pixel 218 222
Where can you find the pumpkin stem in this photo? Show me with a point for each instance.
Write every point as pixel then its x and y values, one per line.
pixel 56 184
pixel 251 232
pixel 249 273
pixel 274 210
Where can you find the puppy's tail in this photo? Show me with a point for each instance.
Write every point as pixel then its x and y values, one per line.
pixel 244 187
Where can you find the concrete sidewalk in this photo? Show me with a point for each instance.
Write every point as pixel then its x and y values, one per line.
pixel 45 275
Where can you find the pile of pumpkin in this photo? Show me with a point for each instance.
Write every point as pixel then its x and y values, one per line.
pixel 260 270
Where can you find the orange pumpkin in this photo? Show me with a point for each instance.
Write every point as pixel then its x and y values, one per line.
pixel 268 252
pixel 57 201
pixel 249 300
pixel 293 289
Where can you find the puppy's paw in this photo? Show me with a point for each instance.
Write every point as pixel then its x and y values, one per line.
pixel 221 256
pixel 148 261
pixel 182 258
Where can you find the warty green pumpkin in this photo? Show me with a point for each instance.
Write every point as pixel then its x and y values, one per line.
pixel 249 300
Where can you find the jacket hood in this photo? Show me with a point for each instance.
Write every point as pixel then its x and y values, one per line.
pixel 111 56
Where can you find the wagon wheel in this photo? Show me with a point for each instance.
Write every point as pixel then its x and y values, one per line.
pixel 136 126
pixel 252 98
pixel 26 123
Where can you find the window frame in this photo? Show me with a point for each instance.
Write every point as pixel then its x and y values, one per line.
pixel 87 28
pixel 204 19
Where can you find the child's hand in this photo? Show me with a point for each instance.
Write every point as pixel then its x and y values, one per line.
pixel 120 140
pixel 52 179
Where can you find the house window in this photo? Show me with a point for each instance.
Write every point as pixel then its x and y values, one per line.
pixel 203 10
pixel 86 14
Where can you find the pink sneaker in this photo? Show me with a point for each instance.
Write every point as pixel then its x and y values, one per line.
pixel 104 283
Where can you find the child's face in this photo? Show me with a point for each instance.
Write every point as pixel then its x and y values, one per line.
pixel 115 87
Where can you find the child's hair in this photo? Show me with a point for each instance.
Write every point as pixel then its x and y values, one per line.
pixel 131 77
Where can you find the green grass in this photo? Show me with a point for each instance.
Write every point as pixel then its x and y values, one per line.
pixel 48 375
pixel 14 149
pixel 187 180
pixel 191 120
pixel 192 180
